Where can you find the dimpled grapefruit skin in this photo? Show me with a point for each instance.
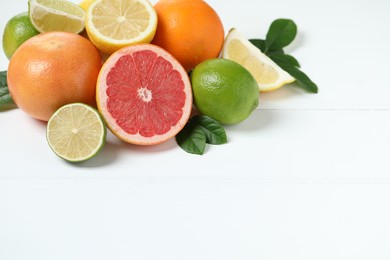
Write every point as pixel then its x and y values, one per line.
pixel 144 94
pixel 53 69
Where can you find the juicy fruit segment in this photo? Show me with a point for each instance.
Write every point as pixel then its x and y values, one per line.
pixel 263 73
pixel 144 94
pixel 113 24
pixel 190 30
pixel 76 132
pixel 85 4
pixel 53 69
pixel 17 30
pixel 224 90
pixel 267 73
pixel 56 15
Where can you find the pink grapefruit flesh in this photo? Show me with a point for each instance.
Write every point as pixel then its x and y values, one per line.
pixel 144 94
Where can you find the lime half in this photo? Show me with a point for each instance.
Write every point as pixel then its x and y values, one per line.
pixel 76 132
pixel 56 15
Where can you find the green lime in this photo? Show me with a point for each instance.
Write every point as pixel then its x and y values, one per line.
pixel 18 30
pixel 76 132
pixel 224 90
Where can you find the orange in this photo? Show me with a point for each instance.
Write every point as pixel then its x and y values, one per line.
pixel 51 70
pixel 190 30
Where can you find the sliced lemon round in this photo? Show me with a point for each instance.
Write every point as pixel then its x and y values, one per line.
pixel 113 24
pixel 267 73
pixel 76 132
pixel 56 15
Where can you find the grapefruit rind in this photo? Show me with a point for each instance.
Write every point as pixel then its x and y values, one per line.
pixel 102 97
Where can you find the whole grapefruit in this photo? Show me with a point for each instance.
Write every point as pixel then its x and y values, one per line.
pixel 51 70
pixel 190 30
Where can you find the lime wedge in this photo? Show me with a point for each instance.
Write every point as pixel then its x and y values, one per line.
pixel 76 132
pixel 56 15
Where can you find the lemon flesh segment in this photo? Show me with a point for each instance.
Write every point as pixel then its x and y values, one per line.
pixel 113 24
pixel 267 73
pixel 85 4
pixel 56 15
pixel 76 132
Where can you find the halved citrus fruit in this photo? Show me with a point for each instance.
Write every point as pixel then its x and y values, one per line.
pixel 113 24
pixel 56 15
pixel 85 4
pixel 76 132
pixel 144 94
pixel 267 73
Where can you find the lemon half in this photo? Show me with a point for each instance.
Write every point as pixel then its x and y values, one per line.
pixel 113 24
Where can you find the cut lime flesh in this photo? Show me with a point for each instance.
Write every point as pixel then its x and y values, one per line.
pixel 76 132
pixel 56 15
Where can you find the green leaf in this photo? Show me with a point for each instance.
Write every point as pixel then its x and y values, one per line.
pixel 198 131
pixel 260 44
pixel 280 34
pixel 215 134
pixel 5 98
pixel 191 138
pixel 284 59
pixel 302 79
pixel 275 52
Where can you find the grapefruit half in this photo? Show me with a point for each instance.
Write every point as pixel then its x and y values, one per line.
pixel 144 94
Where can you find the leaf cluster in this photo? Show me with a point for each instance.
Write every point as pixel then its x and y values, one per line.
pixel 280 34
pixel 199 131
pixel 5 98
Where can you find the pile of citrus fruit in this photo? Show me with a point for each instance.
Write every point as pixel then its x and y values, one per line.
pixel 126 65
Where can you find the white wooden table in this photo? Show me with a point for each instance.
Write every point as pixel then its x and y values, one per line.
pixel 305 177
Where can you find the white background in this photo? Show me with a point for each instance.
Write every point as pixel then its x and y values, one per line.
pixel 305 177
